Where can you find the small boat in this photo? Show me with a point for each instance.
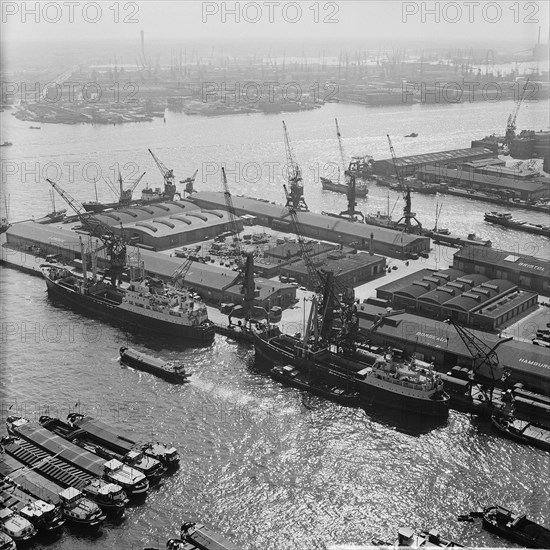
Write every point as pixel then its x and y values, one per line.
pixel 204 538
pixel 523 431
pixel 408 538
pixel 6 144
pixel 292 376
pixel 34 127
pixel 6 542
pixel 16 526
pixel 412 134
pixel 170 371
pixel 515 527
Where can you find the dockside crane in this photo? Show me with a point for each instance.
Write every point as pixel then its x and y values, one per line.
pixel 485 363
pixel 408 215
pixel 295 193
pixel 511 124
pixel 168 176
pixel 113 243
pixel 245 263
pixel 349 180
pixel 124 195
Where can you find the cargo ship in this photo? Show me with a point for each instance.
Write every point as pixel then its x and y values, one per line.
pixel 409 386
pixel 361 189
pixel 75 507
pixel 146 303
pixel 134 483
pixel 505 219
pixel 98 431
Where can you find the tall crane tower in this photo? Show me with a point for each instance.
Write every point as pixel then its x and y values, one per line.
pixel 295 195
pixel 113 243
pixel 511 125
pixel 245 263
pixel 349 180
pixel 408 215
pixel 168 176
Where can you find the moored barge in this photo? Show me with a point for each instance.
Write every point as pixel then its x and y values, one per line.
pixel 170 371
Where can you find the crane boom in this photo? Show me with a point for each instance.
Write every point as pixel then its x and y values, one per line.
pixel 115 245
pixel 395 164
pixel 232 216
pixel 136 183
pixel 295 196
pixel 511 125
pixel 342 156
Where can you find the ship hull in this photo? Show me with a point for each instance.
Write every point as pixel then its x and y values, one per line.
pixel 111 310
pixel 360 192
pixel 148 364
pixel 328 370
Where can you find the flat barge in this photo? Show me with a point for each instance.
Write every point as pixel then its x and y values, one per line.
pixel 522 431
pixel 169 371
pixel 505 219
pixel 205 538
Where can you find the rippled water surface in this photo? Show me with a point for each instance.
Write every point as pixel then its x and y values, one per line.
pixel 270 467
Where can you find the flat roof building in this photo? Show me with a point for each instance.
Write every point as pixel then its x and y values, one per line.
pixel 527 272
pixel 411 164
pixel 387 242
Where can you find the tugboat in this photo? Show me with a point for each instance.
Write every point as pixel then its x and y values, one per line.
pixel 515 527
pixel 412 134
pixel 18 528
pixel 150 467
pixel 98 431
pixel 170 371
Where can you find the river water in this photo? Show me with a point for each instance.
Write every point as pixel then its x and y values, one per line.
pixel 264 464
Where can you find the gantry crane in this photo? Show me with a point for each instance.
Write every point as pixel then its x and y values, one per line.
pixel 295 194
pixel 168 176
pixel 408 214
pixel 115 244
pixel 511 125
pixel 485 362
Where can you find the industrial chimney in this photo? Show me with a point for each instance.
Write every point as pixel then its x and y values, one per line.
pixel 371 244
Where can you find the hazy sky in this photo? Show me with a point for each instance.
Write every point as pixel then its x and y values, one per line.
pixel 461 24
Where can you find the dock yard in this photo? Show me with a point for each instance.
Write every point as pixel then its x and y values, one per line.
pixel 274 286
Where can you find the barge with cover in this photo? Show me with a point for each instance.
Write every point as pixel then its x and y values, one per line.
pixel 98 431
pixel 150 467
pixel 523 431
pixel 75 507
pixel 18 528
pixel 505 219
pixel 133 482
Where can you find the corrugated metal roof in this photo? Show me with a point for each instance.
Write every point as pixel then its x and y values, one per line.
pixel 133 214
pixel 439 156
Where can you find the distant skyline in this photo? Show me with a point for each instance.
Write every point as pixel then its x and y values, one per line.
pixel 367 22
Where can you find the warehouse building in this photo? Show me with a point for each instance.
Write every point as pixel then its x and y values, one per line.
pixel 436 341
pixel 167 225
pixel 529 189
pixel 408 166
pixel 387 242
pixel 213 283
pixel 527 272
pixel 470 299
pixel 350 270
